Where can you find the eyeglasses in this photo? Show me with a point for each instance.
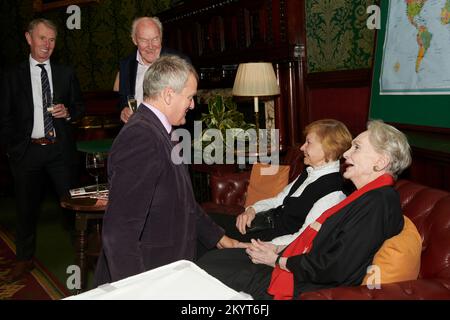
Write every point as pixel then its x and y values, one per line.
pixel 156 41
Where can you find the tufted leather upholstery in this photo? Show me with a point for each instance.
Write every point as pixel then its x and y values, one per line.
pixel 228 190
pixel 429 209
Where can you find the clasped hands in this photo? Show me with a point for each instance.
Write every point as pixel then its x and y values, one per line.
pixel 261 252
pixel 258 251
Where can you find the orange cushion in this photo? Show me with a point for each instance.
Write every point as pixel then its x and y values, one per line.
pixel 266 182
pixel 398 258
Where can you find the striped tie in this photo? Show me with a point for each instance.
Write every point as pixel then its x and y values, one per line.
pixel 46 101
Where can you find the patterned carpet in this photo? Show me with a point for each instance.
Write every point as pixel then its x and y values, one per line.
pixel 37 285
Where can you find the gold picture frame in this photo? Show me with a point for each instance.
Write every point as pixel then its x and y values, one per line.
pixel 45 5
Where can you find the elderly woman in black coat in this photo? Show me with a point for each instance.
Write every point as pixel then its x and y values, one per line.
pixel 335 249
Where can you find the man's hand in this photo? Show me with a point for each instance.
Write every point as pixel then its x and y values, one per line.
pixel 125 114
pixel 60 111
pixel 245 219
pixel 226 242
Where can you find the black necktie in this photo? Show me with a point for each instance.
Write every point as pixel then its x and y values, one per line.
pixel 49 130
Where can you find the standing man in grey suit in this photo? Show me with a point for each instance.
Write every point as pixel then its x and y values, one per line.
pixel 37 133
pixel 152 217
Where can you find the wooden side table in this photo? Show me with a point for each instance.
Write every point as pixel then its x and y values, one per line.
pixel 85 209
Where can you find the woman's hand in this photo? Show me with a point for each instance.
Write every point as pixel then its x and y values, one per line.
pixel 261 252
pixel 245 219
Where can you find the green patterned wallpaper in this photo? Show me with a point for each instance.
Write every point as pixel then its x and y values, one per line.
pixel 94 50
pixel 337 36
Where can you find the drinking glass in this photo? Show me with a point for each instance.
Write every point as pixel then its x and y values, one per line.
pixel 51 105
pixel 95 164
pixel 132 103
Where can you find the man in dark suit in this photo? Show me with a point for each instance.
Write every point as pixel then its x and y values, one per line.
pixel 152 217
pixel 146 33
pixel 38 99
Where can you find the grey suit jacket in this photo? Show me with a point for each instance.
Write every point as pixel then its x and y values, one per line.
pixel 152 217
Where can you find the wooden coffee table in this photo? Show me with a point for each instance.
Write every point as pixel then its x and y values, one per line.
pixel 85 209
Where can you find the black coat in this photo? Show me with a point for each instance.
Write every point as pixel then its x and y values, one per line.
pixel 341 252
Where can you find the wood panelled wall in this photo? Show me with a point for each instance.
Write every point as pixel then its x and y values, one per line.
pixel 218 35
pixel 342 95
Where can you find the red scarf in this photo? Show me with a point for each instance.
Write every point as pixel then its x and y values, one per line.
pixel 282 282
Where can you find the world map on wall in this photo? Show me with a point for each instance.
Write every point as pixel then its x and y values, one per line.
pixel 416 53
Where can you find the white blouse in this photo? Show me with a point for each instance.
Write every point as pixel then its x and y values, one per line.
pixel 318 208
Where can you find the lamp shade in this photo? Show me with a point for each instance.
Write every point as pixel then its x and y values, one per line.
pixel 255 79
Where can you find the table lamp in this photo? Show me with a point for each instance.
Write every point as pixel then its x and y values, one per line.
pixel 255 79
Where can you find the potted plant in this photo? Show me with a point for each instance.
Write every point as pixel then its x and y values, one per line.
pixel 222 115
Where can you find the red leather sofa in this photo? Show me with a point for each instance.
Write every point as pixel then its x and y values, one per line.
pixel 428 208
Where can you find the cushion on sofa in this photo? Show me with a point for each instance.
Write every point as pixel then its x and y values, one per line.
pixel 399 257
pixel 266 182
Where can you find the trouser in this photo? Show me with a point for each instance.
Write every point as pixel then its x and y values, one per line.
pixel 228 223
pixel 29 174
pixel 234 268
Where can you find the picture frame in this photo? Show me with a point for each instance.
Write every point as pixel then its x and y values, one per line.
pixel 46 5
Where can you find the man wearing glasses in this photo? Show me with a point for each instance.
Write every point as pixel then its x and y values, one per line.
pixel 146 33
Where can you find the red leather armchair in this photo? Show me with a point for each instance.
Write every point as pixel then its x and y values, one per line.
pixel 229 190
pixel 428 208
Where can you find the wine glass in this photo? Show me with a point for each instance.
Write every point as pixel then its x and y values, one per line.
pixel 132 103
pixel 95 164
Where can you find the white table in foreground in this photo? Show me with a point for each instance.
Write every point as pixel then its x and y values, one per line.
pixel 180 280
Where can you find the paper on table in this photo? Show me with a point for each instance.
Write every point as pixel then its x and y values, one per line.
pixel 180 280
pixel 89 190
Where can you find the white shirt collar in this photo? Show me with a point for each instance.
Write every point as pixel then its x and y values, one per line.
pixel 34 62
pixel 329 167
pixel 139 59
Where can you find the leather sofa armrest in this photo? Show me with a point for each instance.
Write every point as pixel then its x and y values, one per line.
pixel 229 188
pixel 422 289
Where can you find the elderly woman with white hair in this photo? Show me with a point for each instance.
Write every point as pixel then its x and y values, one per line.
pixel 336 249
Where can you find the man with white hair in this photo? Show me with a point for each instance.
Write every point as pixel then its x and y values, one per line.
pixel 146 33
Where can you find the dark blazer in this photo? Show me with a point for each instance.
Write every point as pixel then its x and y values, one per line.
pixel 152 218
pixel 17 108
pixel 128 71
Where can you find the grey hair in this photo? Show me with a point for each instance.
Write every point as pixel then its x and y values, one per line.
pixel 392 142
pixel 167 71
pixel 155 20
pixel 33 24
